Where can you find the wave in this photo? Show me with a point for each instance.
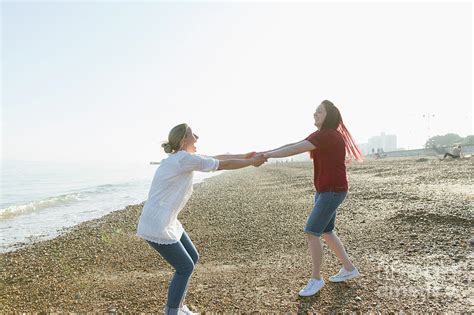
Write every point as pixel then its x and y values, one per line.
pixel 32 206
pixel 62 200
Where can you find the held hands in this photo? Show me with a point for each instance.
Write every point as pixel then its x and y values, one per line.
pixel 265 154
pixel 249 155
pixel 258 160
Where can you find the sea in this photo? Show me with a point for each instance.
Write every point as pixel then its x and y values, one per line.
pixel 40 200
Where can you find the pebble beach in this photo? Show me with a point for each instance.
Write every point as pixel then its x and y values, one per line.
pixel 406 224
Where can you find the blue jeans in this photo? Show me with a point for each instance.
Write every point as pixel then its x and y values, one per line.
pixel 182 256
pixel 322 217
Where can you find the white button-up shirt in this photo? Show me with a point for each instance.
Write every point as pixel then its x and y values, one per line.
pixel 170 189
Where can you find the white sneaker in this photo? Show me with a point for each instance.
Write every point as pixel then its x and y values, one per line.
pixel 313 286
pixel 186 311
pixel 344 275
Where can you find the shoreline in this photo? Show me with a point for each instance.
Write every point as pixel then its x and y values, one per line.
pixel 36 238
pixel 247 226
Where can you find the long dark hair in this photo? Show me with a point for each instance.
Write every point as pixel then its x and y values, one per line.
pixel 333 120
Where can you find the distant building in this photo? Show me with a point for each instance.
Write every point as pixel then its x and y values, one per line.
pixel 379 144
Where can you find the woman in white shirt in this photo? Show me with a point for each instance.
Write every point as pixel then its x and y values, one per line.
pixel 171 188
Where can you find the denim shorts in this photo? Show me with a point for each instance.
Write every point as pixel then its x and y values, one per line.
pixel 322 217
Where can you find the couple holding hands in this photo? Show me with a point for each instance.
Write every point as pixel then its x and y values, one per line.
pixel 330 147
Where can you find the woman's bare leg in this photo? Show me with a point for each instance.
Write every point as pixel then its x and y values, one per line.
pixel 337 247
pixel 316 250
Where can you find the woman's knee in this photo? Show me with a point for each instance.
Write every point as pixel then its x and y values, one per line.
pixel 328 235
pixel 312 237
pixel 185 268
pixel 195 258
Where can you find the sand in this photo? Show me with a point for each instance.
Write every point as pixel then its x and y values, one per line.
pixel 406 223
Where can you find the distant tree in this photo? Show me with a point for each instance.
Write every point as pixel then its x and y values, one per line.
pixel 469 140
pixel 446 140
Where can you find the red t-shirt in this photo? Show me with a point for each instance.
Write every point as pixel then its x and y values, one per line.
pixel 329 160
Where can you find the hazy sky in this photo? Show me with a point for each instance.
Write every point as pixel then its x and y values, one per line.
pixel 103 81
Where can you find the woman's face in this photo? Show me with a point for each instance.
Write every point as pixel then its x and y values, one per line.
pixel 319 116
pixel 189 141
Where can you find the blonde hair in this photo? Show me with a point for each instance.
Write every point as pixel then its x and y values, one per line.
pixel 175 137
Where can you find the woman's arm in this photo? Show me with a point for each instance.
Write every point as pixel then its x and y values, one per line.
pixel 240 163
pixel 282 147
pixel 224 157
pixel 291 149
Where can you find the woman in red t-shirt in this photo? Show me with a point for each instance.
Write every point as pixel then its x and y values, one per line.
pixel 329 147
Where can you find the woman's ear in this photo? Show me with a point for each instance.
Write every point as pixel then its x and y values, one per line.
pixel 182 143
